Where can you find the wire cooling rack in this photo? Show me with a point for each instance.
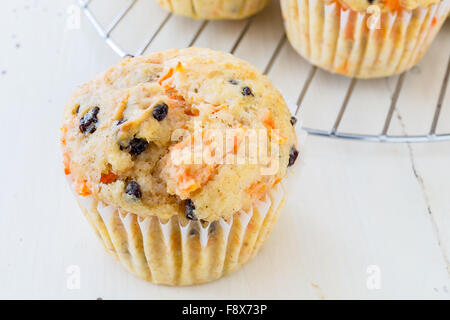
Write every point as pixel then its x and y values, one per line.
pixel 435 103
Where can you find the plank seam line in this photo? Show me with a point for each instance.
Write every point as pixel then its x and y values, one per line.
pixel 275 54
pixel 241 35
pixel 119 17
pixel 430 212
pixel 305 88
pixel 423 189
pixel 351 87
pixel 394 100
pixel 198 33
pixel 150 40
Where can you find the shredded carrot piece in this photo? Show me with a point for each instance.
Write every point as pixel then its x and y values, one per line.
pixel 268 120
pixel 66 161
pixel 434 21
pixel 190 179
pixel 269 123
pixel 219 108
pixel 83 189
pixel 66 170
pixel 166 76
pixel 257 190
pixel 187 184
pixel 178 98
pixel 193 112
pixel 108 178
pixel 178 68
pixel 277 182
pixel 63 136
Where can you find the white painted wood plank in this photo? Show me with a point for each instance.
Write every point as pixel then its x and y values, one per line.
pixel 419 96
pixel 106 10
pixel 221 35
pixel 370 213
pixel 352 204
pixel 431 166
pixel 262 37
pixel 177 33
pixel 443 125
pixel 33 222
pixel 289 73
pixel 150 16
pixel 368 106
pixel 324 99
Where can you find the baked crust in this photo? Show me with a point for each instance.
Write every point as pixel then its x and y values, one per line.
pixel 129 159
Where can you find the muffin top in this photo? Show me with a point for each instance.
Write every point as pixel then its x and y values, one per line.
pixel 191 132
pixel 214 9
pixel 386 5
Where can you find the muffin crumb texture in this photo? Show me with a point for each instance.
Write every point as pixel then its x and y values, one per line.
pixel 124 132
pixel 214 9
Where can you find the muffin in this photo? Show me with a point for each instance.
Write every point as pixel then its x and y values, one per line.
pixel 363 38
pixel 177 160
pixel 214 9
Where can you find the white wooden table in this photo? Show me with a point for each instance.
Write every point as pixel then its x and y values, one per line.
pixel 364 220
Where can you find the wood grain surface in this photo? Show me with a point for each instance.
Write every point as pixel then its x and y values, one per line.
pixel 357 212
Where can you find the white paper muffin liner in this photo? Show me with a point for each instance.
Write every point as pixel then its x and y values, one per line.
pixel 214 9
pixel 339 40
pixel 175 254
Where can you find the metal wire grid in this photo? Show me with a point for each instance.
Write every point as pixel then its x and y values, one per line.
pixel 105 34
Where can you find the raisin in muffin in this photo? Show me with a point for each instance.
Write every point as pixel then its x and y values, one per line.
pixel 214 9
pixel 158 151
pixel 363 38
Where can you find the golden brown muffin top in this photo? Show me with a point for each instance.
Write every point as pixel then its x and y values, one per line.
pixel 386 5
pixel 164 134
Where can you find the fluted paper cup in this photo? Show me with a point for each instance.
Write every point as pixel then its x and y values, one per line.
pixel 359 43
pixel 214 9
pixel 173 253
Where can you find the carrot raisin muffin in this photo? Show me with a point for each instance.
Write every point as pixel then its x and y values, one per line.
pixel 214 9
pixel 363 38
pixel 176 159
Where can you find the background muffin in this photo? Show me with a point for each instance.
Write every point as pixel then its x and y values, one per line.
pixel 166 220
pixel 214 9
pixel 363 38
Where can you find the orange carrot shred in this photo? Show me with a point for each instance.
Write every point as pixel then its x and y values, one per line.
pixel 108 178
pixel 66 161
pixel 83 189
pixel 257 190
pixel 193 112
pixel 217 109
pixel 63 136
pixel 434 21
pixel 277 182
pixel 269 121
pixel 179 67
pixel 166 76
